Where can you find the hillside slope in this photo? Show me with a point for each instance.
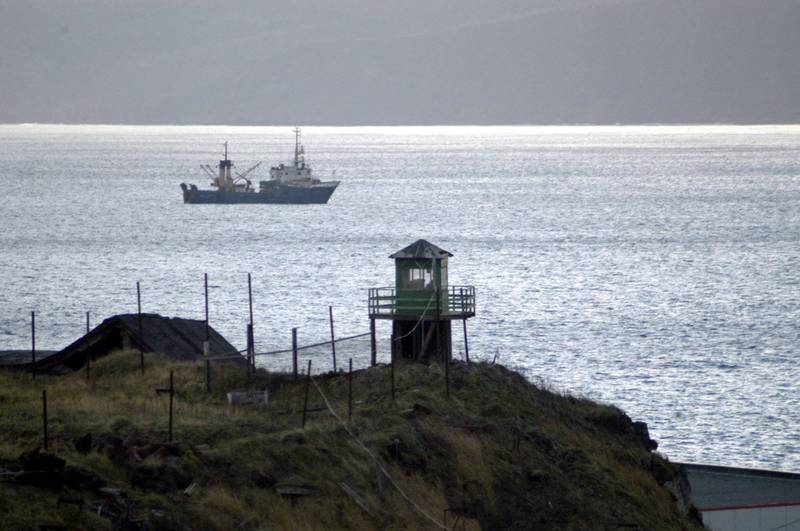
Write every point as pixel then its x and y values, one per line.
pixel 498 453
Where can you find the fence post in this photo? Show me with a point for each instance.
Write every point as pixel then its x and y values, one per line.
pixel 372 344
pixel 44 417
pixel 251 358
pixel 171 391
pixel 294 353
pixel 333 338
pixel 250 296
pixel 207 366
pixel 206 347
pixel 250 349
pixel 466 341
pixel 171 397
pixel 205 294
pixel 305 400
pixel 350 391
pixel 88 355
pixel 33 344
pixel 141 334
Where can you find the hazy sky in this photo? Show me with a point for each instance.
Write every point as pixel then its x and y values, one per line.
pixel 400 62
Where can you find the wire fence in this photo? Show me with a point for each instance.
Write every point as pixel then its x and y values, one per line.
pixel 358 347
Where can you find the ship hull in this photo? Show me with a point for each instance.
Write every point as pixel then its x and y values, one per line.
pixel 286 195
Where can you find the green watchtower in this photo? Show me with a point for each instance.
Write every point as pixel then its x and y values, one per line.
pixel 421 304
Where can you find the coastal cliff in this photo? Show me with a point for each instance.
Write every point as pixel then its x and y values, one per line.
pixel 498 452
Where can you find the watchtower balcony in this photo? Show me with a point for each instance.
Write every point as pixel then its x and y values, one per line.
pixel 405 304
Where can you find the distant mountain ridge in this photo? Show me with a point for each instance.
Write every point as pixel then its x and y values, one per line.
pixel 400 62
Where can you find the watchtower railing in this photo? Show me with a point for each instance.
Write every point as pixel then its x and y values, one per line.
pixel 455 302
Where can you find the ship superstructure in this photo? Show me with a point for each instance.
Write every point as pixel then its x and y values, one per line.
pixel 296 171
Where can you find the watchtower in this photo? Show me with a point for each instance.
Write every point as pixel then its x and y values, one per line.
pixel 421 304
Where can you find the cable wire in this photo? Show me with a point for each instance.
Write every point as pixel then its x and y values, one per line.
pixel 419 509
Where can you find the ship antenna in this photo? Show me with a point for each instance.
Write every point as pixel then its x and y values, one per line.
pixel 226 150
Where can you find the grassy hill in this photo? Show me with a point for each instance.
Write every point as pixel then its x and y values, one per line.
pixel 497 453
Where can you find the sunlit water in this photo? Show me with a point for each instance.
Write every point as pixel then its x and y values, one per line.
pixel 655 268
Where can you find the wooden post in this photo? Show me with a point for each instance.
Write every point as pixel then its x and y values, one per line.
pixel 207 366
pixel 250 296
pixel 447 375
pixel 250 349
pixel 44 417
pixel 251 353
pixel 171 391
pixel 88 355
pixel 205 291
pixel 294 352
pixel 206 347
pixel 350 391
pixel 305 400
pixel 466 341
pixel 171 397
pixel 391 368
pixel 438 324
pixel 372 344
pixel 333 338
pixel 141 334
pixel 33 344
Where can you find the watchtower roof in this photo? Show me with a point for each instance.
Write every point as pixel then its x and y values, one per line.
pixel 421 249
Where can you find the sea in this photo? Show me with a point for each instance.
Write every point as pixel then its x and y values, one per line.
pixel 656 268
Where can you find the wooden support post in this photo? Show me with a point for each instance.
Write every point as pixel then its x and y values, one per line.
pixel 294 353
pixel 33 344
pixel 251 353
pixel 44 417
pixel 88 354
pixel 250 296
pixel 305 400
pixel 466 341
pixel 206 346
pixel 171 391
pixel 350 391
pixel 333 337
pixel 250 349
pixel 391 370
pixel 438 325
pixel 171 399
pixel 447 374
pixel 372 344
pixel 205 291
pixel 141 334
pixel 207 366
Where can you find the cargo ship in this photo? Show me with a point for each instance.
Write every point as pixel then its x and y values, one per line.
pixel 288 183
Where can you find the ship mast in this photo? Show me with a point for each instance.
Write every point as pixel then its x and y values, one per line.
pixel 224 179
pixel 296 146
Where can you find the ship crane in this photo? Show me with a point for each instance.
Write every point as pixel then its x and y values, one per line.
pixel 206 168
pixel 246 172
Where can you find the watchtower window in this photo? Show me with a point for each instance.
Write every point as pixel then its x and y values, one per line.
pixel 418 278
